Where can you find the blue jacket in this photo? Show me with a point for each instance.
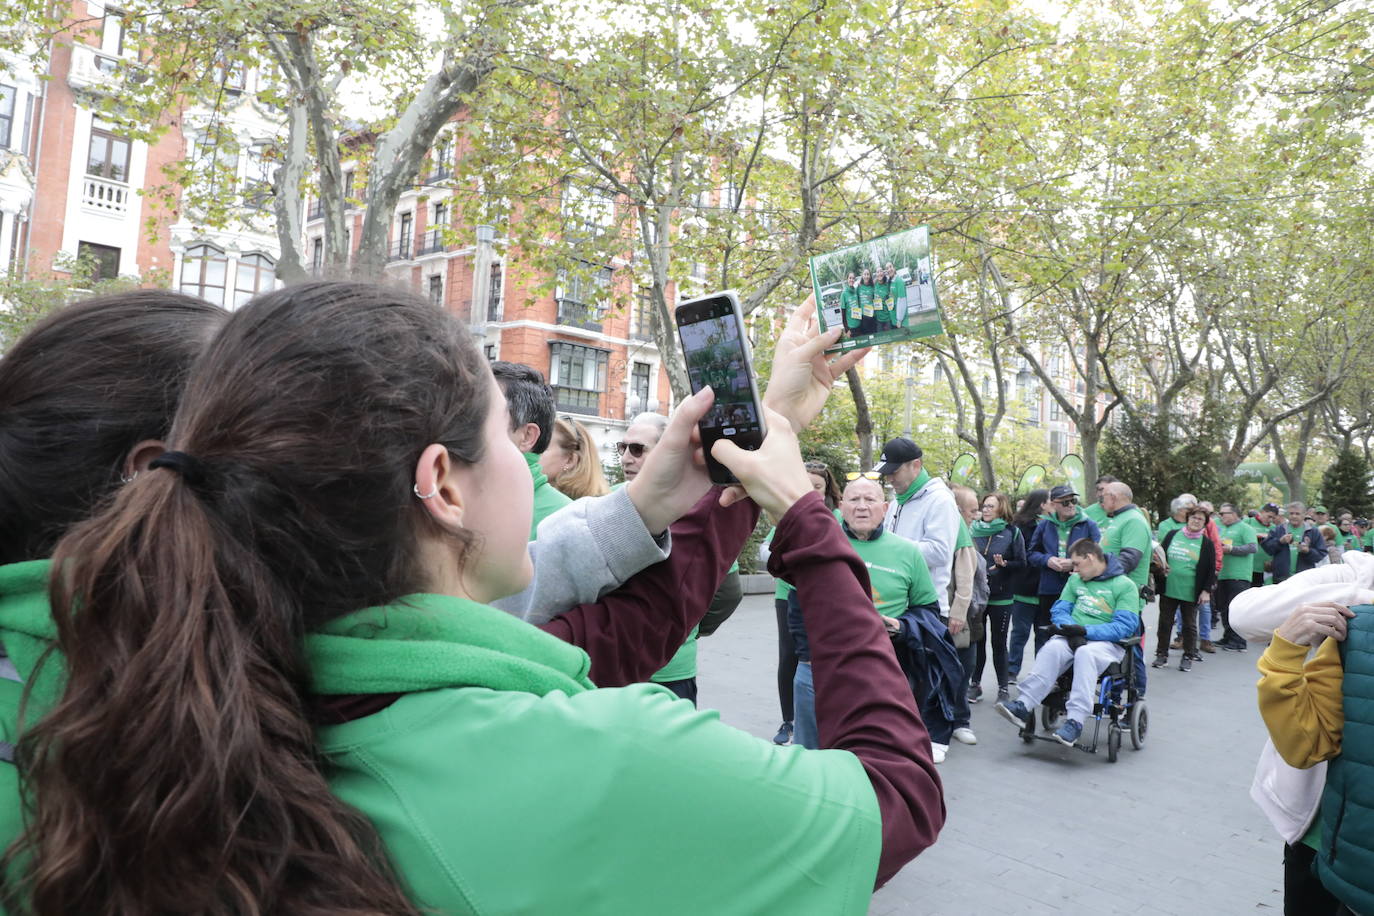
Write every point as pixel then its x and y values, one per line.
pixel 926 652
pixel 1124 624
pixel 1002 579
pixel 1280 552
pixel 1045 544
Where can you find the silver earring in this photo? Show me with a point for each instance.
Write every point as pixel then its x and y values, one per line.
pixel 128 478
pixel 430 495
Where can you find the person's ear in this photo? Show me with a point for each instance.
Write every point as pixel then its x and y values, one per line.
pixel 437 488
pixel 525 436
pixel 140 456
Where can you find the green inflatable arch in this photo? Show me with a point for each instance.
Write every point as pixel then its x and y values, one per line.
pixel 1263 472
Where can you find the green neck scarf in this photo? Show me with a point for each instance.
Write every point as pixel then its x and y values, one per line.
pixel 536 471
pixel 27 630
pixel 425 642
pixel 982 529
pixel 921 480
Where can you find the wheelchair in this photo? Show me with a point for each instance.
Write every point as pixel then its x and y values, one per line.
pixel 1119 702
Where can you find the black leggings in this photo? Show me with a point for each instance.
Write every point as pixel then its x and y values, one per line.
pixel 1303 892
pixel 787 659
pixel 995 626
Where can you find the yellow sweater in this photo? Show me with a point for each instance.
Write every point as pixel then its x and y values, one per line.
pixel 1300 700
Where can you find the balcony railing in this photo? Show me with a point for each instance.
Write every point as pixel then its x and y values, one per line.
pixel 432 241
pixel 103 196
pixel 577 400
pixel 580 315
pixel 401 250
pixel 438 173
pixel 91 68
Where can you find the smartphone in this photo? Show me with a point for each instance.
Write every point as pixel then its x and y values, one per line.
pixel 716 351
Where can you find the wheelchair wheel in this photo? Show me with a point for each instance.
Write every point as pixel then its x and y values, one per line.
pixel 1140 723
pixel 1113 742
pixel 1047 717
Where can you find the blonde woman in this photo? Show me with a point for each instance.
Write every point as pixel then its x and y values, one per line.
pixel 570 461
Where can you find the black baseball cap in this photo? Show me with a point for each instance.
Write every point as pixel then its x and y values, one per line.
pixel 1271 507
pixel 1063 491
pixel 897 452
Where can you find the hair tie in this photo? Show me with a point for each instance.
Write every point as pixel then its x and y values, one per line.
pixel 188 466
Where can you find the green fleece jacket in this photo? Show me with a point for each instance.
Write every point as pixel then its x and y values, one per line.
pixel 547 500
pixel 456 775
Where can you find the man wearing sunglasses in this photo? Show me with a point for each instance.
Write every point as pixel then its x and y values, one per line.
pixel 680 674
pixel 641 436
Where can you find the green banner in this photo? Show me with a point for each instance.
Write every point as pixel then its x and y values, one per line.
pixel 1033 478
pixel 1072 467
pixel 964 466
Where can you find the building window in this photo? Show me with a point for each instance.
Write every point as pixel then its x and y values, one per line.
pixel 1056 412
pixel 489 351
pixel 348 191
pixel 1059 444
pixel 578 376
pixel 203 271
pixel 103 260
pixel 7 97
pixel 1033 410
pixel 255 275
pixel 440 218
pixel 494 291
pixel 580 295
pixel 112 31
pixel 108 157
pixel 642 320
pixel 639 386
pixel 257 188
pixel 316 254
pixel 436 289
pixel 442 159
pixel 405 226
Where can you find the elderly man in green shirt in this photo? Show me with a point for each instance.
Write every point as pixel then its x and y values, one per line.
pixel 1126 533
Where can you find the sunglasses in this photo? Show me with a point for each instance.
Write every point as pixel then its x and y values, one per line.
pixel 636 449
pixel 1071 501
pixel 866 475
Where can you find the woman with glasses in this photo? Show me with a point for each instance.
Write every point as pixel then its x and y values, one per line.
pixel 1000 543
pixel 570 462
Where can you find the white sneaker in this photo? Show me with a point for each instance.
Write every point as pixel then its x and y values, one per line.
pixel 938 752
pixel 965 735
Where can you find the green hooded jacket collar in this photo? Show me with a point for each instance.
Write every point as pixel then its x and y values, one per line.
pixel 1078 516
pixel 26 627
pixel 536 471
pixel 982 529
pixel 426 642
pixel 921 480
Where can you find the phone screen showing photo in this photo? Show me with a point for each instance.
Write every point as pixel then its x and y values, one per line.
pixel 717 356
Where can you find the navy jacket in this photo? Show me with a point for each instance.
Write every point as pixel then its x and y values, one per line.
pixel 1280 552
pixel 926 652
pixel 1002 580
pixel 1027 579
pixel 1045 544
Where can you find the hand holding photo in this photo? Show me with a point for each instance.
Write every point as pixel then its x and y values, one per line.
pixel 880 291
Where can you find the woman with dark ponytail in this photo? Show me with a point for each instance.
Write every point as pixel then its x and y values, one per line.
pixel 287 694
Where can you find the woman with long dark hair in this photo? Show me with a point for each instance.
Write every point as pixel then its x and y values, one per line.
pixel 286 694
pixel 1025 604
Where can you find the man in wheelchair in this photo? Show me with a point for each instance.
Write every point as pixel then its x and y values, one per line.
pixel 1098 608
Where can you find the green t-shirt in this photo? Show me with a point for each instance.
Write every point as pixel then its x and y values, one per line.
pixel 1169 524
pixel 1260 530
pixel 1128 528
pixel 898 573
pixel 1183 553
pixel 866 299
pixel 1097 600
pixel 682 665
pixel 1233 567
pixel 882 290
pixel 964 538
pixel 1098 515
pixel 849 304
pixel 547 500
pixel 1369 539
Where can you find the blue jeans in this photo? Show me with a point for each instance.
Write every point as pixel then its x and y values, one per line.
pixel 804 730
pixel 1022 623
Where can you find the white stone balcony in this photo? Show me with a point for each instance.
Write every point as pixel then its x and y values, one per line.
pixel 94 69
pixel 109 198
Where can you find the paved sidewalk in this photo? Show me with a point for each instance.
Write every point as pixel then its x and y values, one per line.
pixel 1169 829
